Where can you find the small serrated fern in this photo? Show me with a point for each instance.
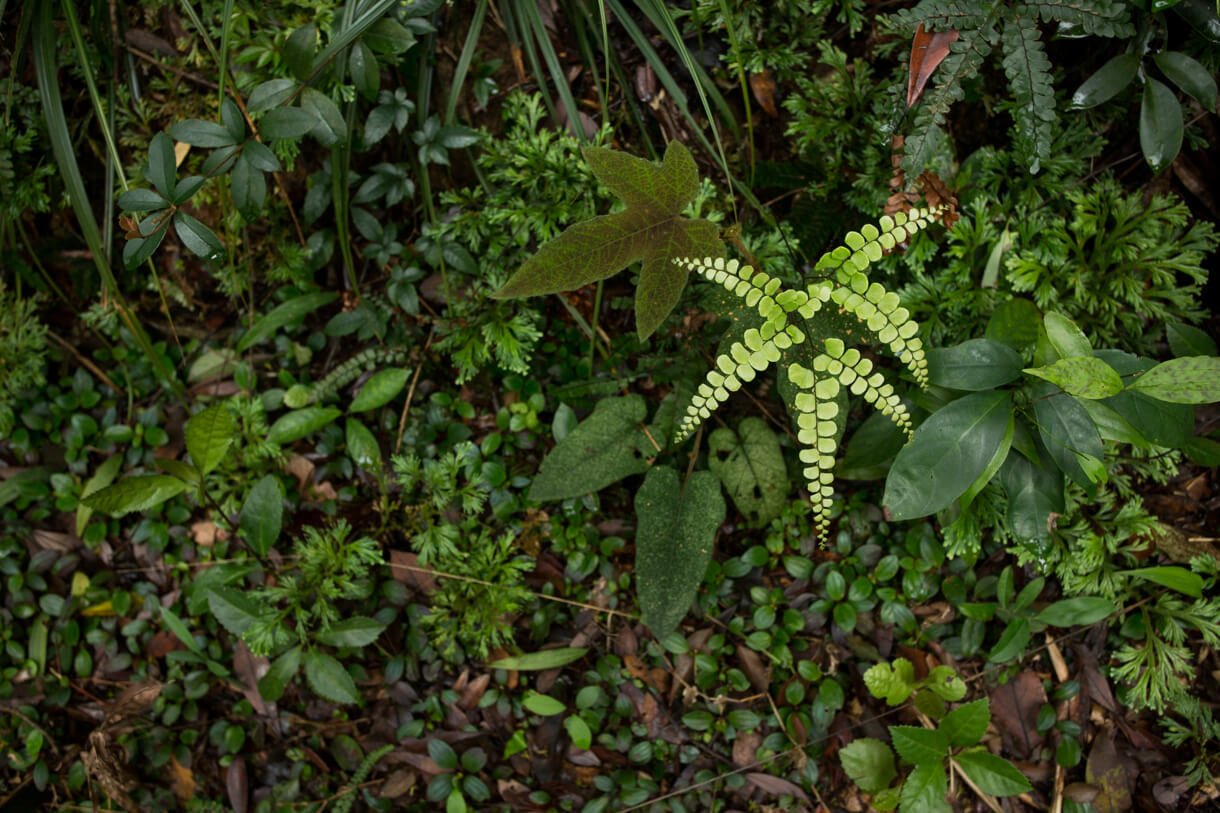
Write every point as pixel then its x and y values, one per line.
pixel 790 318
pixel 344 802
pixel 981 25
pixel 300 395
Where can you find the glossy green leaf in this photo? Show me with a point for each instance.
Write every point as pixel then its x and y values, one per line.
pixel 186 188
pixel 330 129
pixel 232 119
pixel 389 36
pixel 249 188
pixel 542 704
pixel 1106 83
pixel 287 122
pixel 1187 340
pixel 1189 75
pixel 946 454
pixel 236 611
pixel 1066 431
pixel 869 763
pixel 362 446
pixel 1068 340
pixel 260 156
pixel 354 632
pixel 270 94
pixel 271 686
pixel 1175 578
pixel 287 313
pixel 977 364
pixel 209 434
pixel 301 422
pixel 992 774
pixel 651 229
pixel 141 200
pixel 365 72
pixel 603 449
pixel 102 477
pixel 299 50
pixel 1082 610
pixel 966 724
pixel 198 238
pixel 1012 642
pixel 380 389
pixel 328 678
pixel 925 789
pixel 1112 426
pixel 1035 494
pixel 919 746
pixel 544 659
pixel 1159 422
pixel 871 447
pixel 578 731
pixel 162 165
pixel 993 465
pixel 135 494
pixel 1160 125
pixel 751 465
pixel 1084 377
pixel 674 538
pixel 1014 322
pixel 262 515
pixel 1186 380
pixel 180 630
pixel 200 133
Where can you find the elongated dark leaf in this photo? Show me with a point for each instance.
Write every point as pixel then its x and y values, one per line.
pixel 270 94
pixel 1066 431
pixel 287 313
pixel 262 515
pixel 651 229
pixel 1035 492
pixel 135 494
pixel 197 237
pixel 141 200
pixel 249 188
pixel 946 454
pixel 1158 422
pixel 1160 125
pixel 1189 75
pixel 299 49
pixel 977 364
pixel 674 542
pixel 287 122
pixel 200 133
pixel 162 164
pixel 1106 83
pixel 330 130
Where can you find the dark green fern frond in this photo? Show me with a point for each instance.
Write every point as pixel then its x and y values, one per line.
pixel 1101 18
pixel 941 15
pixel 1029 75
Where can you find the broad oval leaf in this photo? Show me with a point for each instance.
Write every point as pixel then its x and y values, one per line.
pixel 162 165
pixel 579 731
pixel 260 156
pixel 328 678
pixel 1187 340
pixel 249 188
pixel 1012 642
pixel 1066 431
pixel 1035 494
pixel 270 94
pixel 1186 380
pixel 1068 340
pixel 674 540
pixel 751 465
pixel 365 70
pixel 542 704
pixel 299 50
pixel 946 454
pixel 271 685
pixel 356 631
pixel 1083 377
pixel 287 313
pixel 1160 125
pixel 380 389
pixel 869 763
pixel 925 789
pixel 209 434
pixel 200 133
pixel 198 238
pixel 603 448
pixel 919 746
pixel 262 515
pixel 1106 83
pixel 135 494
pixel 545 659
pixel 233 609
pixel 1015 323
pixel 301 422
pixel 992 774
pixel 977 364
pixel 1189 75
pixel 362 446
pixel 330 129
pixel 287 122
pixel 141 200
pixel 966 724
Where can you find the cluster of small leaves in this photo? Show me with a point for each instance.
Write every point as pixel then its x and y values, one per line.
pixel 983 24
pixel 22 350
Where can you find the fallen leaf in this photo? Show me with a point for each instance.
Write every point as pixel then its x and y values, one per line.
pixel 928 50
pixel 1106 771
pixel 56 541
pixel 745 748
pixel 251 668
pixel 1014 707
pixel 181 780
pixel 406 568
pixel 236 785
pixel 398 783
pixel 776 786
pixel 208 533
pixel 762 85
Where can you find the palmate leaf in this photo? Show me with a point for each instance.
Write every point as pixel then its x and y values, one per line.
pixel 650 229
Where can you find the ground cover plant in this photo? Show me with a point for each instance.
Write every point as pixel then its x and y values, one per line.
pixel 586 407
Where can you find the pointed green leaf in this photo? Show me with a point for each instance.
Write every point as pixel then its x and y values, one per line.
pixel 287 313
pixel 249 188
pixel 180 630
pixel 1158 422
pixel 1186 380
pixel 545 659
pixel 365 71
pixel 543 705
pixel 925 789
pixel 1066 431
pixel 300 423
pixel 977 364
pixel 198 238
pixel 579 731
pixel 1014 322
pixel 674 540
pixel 330 130
pixel 362 446
pixel 135 494
pixel 1083 377
pixel 355 631
pixel 162 165
pixel 270 94
pixel 651 229
pixel 200 133
pixel 751 465
pixel 1160 125
pixel 379 390
pixel 869 763
pixel 101 478
pixel 299 50
pixel 1189 75
pixel 603 449
pixel 1186 340
pixel 992 774
pixel 919 746
pixel 966 724
pixel 233 609
pixel 260 156
pixel 1035 493
pixel 1175 578
pixel 1082 610
pixel 141 200
pixel 271 685
pixel 946 454
pixel 287 122
pixel 329 679
pixel 209 434
pixel 1012 642
pixel 262 515
pixel 1106 83
pixel 1068 340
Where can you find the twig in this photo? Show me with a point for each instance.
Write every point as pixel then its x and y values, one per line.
pixel 419 368
pixel 86 363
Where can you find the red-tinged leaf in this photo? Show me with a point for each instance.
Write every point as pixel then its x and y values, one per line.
pixel 651 229
pixel 762 85
pixel 928 50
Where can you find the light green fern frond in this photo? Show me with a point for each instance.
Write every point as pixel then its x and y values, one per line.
pixel 1029 76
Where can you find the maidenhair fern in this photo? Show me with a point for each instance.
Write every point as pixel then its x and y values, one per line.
pixel 981 25
pixel 793 330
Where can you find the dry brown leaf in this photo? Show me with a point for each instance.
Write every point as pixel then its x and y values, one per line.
pixel 745 748
pixel 762 85
pixel 398 783
pixel 181 780
pixel 1014 707
pixel 928 50
pixel 406 569
pixel 237 785
pixel 56 541
pixel 250 668
pixel 775 786
pixel 1106 771
pixel 208 533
